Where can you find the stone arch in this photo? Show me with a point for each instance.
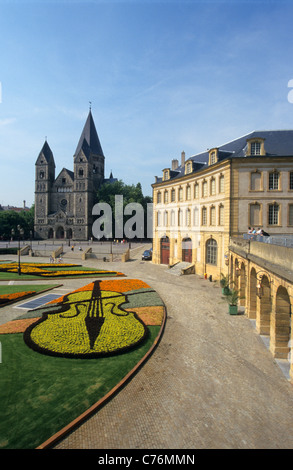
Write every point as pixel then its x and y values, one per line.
pixel 252 294
pixel 242 286
pixel 281 324
pixel 263 313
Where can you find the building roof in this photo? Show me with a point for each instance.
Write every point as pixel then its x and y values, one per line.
pixel 89 141
pixel 47 153
pixel 278 143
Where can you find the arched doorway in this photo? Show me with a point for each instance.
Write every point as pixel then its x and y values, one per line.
pixel 281 325
pixel 60 233
pixel 252 295
pixel 165 250
pixel 263 314
pixel 187 250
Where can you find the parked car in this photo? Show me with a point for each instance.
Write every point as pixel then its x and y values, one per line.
pixel 147 255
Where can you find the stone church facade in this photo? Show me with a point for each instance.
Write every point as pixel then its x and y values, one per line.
pixel 63 205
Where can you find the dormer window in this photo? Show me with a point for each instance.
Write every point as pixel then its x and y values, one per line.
pixel 255 147
pixel 166 175
pixel 188 167
pixel 213 156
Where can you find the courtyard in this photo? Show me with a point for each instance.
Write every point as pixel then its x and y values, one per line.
pixel 209 384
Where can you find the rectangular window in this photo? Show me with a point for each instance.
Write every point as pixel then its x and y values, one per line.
pixel 195 217
pixel 213 216
pixel 173 195
pixel 255 148
pixel 205 189
pixel 180 194
pixel 188 193
pixel 221 215
pixel 221 185
pixel 290 209
pixel 188 219
pixel 204 216
pixel 213 158
pixel 196 191
pixel 274 180
pixel 165 197
pixel 273 214
pixel 213 187
pixel 158 198
pixel 291 180
pixel 255 214
pixel 255 181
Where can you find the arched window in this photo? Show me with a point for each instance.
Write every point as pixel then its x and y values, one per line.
pixel 211 251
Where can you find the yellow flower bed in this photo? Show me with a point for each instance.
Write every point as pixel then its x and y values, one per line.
pixel 88 322
pixel 39 269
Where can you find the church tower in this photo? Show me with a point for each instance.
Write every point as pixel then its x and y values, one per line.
pixel 89 164
pixel 44 180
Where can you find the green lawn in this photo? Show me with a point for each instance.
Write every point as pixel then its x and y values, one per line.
pixel 26 287
pixel 41 394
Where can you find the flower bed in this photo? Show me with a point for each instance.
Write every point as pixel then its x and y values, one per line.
pixel 52 394
pixel 89 322
pixel 7 298
pixel 42 270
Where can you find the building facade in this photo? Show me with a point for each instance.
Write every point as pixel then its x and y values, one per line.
pixel 63 205
pixel 201 202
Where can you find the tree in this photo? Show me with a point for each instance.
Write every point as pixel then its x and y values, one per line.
pixel 10 220
pixel 131 194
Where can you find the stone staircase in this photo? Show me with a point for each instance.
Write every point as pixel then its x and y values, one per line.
pixel 177 268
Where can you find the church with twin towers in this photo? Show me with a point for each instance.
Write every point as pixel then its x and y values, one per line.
pixel 63 204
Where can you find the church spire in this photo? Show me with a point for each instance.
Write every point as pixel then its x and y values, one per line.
pixel 89 137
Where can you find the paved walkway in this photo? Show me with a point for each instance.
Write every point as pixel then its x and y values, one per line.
pixel 210 384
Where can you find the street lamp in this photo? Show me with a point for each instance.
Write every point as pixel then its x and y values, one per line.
pixel 20 233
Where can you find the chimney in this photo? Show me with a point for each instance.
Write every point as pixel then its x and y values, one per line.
pixel 24 204
pixel 175 164
pixel 182 158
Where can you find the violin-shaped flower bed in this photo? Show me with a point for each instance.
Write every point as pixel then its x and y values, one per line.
pixel 62 361
pixel 89 322
pixel 49 270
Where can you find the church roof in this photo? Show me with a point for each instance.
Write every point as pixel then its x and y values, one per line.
pixel 89 140
pixel 47 153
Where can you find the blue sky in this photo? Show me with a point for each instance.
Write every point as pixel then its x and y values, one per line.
pixel 162 76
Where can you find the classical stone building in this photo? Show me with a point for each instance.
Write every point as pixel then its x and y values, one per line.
pixel 63 205
pixel 203 201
